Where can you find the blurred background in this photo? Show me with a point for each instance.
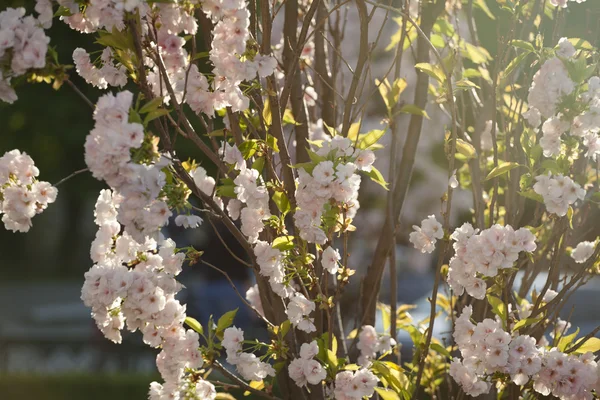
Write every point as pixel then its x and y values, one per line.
pixel 49 345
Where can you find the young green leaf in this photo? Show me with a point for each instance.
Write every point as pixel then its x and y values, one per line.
pixel 283 243
pixel 376 176
pixel 502 169
pixel 194 324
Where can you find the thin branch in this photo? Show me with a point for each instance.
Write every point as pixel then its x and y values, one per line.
pixel 243 384
pixel 80 94
pixel 226 275
pixel 71 176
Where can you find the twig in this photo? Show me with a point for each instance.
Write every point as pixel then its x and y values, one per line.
pixel 226 275
pixel 243 384
pixel 71 176
pixel 80 94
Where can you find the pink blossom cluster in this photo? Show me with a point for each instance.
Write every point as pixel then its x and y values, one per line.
pixel 559 192
pixel 23 47
pixel 22 196
pixel 206 184
pixel 425 236
pixel 271 264
pixel 99 14
pixel 133 283
pixel 298 312
pixel 333 179
pixel 583 251
pixel 483 254
pixel 330 259
pixel 567 376
pixel 108 148
pixel 306 369
pixel 487 349
pixel 550 85
pixel 253 297
pixel 355 385
pixel 247 364
pixel 232 64
pixel 370 343
pixel 255 196
pixel 108 74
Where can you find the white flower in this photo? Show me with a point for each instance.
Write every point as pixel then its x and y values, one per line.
pixel 309 350
pixel 314 371
pixel 364 160
pixel 298 311
pixel 583 251
pixel 330 259
pixel 453 182
pixel 425 236
pixel 188 221
pixel 323 172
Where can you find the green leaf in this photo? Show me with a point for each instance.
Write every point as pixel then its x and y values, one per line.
pixel 433 71
pixel 258 385
pixel 591 345
pixel 283 243
pixel 370 138
pixel 581 44
pixel 201 54
pixel 266 114
pixel 502 169
pixel 217 133
pixel 353 131
pixel 498 306
pixel 272 142
pixel 465 148
pixel 391 93
pixel 513 65
pixel 483 7
pixel 465 84
pixel 530 194
pixel 134 117
pixel 410 36
pixel 194 324
pixel 63 12
pixel 284 328
pixel 443 26
pixel 437 40
pixel 526 322
pixel 281 201
pixel 438 348
pixel 387 394
pixel 570 216
pixel 412 109
pixel 523 45
pixel 376 176
pixel 116 39
pixel 259 164
pixel 226 191
pixel 151 105
pixel 152 115
pixel 226 320
pixel 565 341
pixel 248 148
pixel 477 54
pixel 288 118
pixel 315 158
